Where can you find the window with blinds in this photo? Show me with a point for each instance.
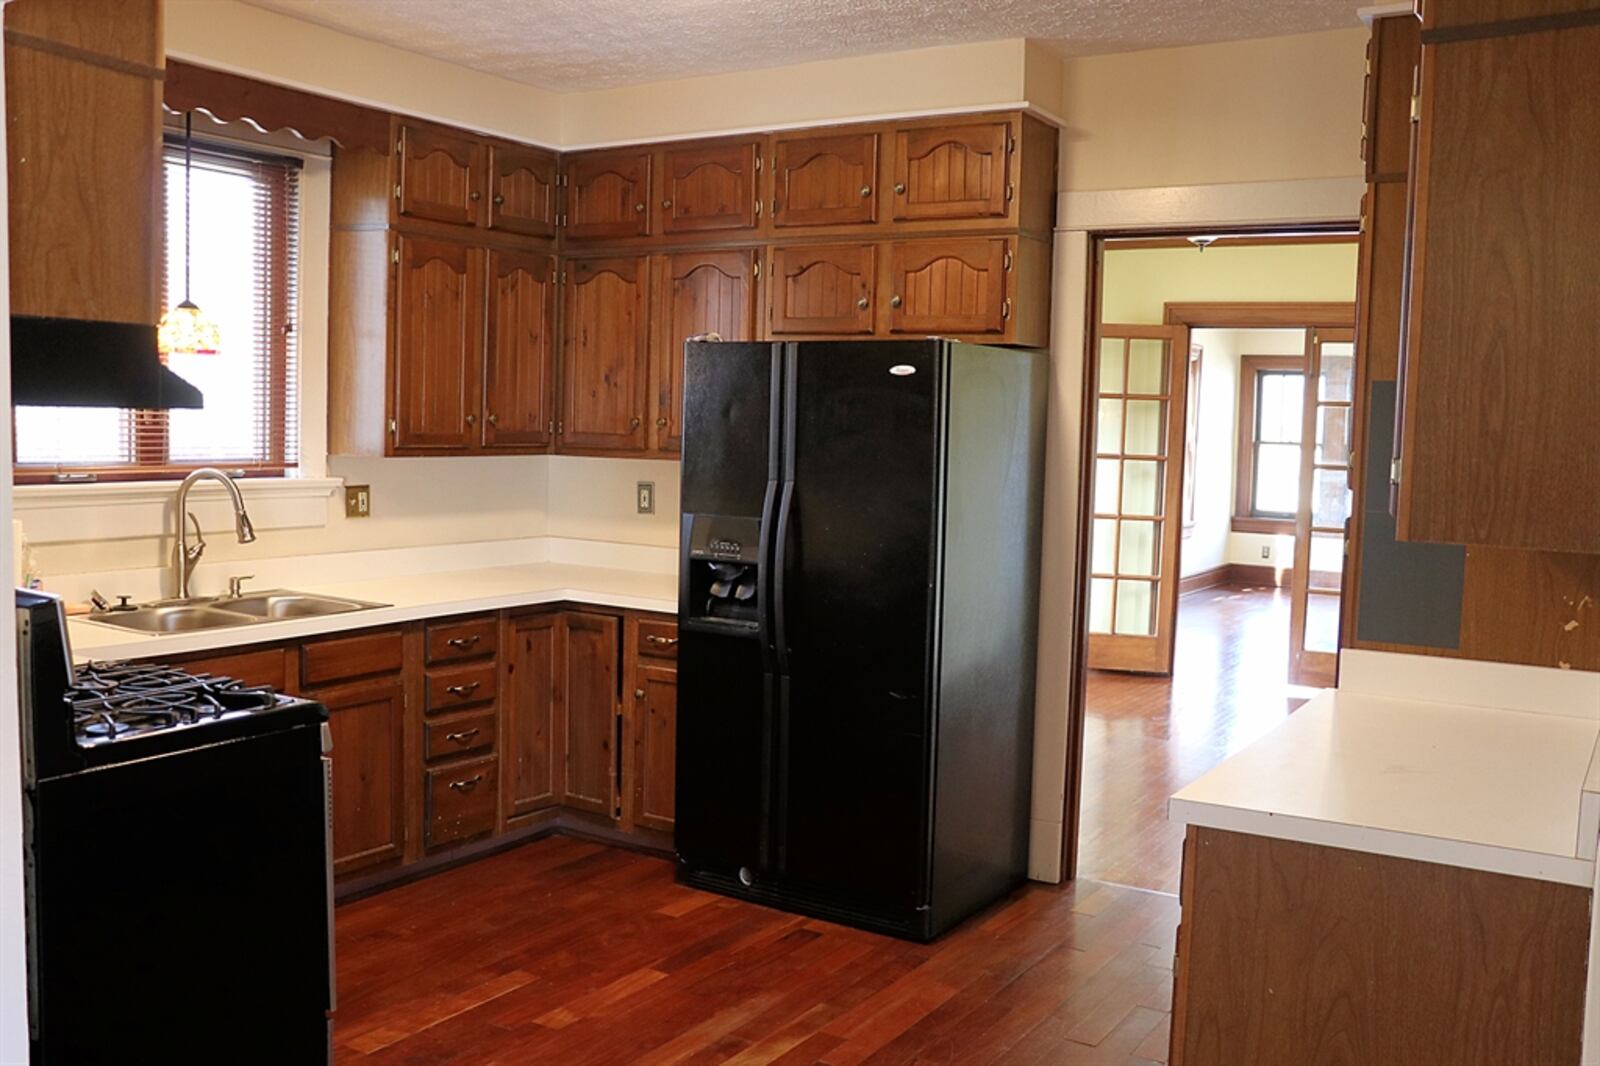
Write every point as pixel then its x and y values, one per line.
pixel 244 274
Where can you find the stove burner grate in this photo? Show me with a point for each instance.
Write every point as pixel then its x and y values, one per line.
pixel 112 701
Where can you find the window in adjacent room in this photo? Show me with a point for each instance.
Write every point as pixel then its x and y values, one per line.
pixel 1271 410
pixel 245 226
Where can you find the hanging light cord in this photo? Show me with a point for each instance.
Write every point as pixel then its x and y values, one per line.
pixel 188 138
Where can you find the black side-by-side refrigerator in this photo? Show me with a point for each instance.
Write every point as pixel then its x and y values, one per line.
pixel 858 605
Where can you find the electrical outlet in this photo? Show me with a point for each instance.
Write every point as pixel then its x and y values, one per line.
pixel 645 497
pixel 1266 551
pixel 358 501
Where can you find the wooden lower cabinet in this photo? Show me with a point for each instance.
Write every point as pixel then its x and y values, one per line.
pixel 655 730
pixel 589 650
pixel 528 697
pixel 1298 953
pixel 368 724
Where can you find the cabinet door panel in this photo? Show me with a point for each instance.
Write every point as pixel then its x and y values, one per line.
pixel 948 286
pixel 441 175
pixel 589 655
pixel 519 375
pixel 823 181
pixel 522 190
pixel 366 725
pixel 951 171
pixel 608 195
pixel 528 701
pixel 701 292
pixel 438 319
pixel 709 188
pixel 825 288
pixel 604 353
pixel 655 730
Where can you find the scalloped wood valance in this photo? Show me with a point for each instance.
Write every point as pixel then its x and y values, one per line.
pixel 231 97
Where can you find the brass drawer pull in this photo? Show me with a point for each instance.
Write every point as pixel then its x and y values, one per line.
pixel 468 785
pixel 462 737
pixel 664 641
pixel 462 643
pixel 463 690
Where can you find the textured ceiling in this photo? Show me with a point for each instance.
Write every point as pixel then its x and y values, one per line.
pixel 578 45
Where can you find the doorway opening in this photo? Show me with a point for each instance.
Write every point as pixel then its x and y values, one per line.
pixel 1219 413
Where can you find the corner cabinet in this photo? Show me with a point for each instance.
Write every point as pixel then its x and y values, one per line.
pixel 1497 442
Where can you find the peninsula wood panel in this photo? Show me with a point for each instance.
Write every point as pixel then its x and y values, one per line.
pixel 822 289
pixel 608 194
pixel 824 180
pixel 605 352
pixel 590 650
pixel 520 351
pixel 949 286
pixel 441 175
pixel 697 293
pixel 437 344
pixel 522 190
pixel 709 188
pixel 530 692
pixel 1500 392
pixel 952 171
pixel 1292 952
pixel 367 723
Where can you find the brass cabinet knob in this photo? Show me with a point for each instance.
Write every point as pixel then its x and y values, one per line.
pixel 863 303
pixel 635 422
pixel 492 420
pixel 900 188
pixel 639 207
pixel 866 190
pixel 895 301
pixel 472 420
pixel 638 693
pixel 666 203
pixel 498 199
pixel 474 195
pixel 662 422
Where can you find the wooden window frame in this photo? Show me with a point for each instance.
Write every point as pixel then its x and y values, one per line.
pixel 1245 520
pixel 148 428
pixel 1189 491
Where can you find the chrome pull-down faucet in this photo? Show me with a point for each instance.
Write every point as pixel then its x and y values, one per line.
pixel 188 555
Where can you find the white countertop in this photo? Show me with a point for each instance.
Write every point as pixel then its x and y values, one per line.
pixel 1512 791
pixel 410 597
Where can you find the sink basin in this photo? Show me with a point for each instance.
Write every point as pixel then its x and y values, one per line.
pixel 173 618
pixel 281 603
pixel 216 613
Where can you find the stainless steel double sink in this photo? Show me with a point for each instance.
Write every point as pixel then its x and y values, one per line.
pixel 218 612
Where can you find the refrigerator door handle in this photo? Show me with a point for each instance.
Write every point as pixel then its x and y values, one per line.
pixel 764 605
pixel 780 562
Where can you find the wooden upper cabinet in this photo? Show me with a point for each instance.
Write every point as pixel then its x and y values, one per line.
pixel 822 288
pixel 608 195
pixel 441 175
pixel 700 292
pixel 522 190
pixel 605 352
pixel 590 651
pixel 529 697
pixel 437 344
pixel 709 188
pixel 824 181
pixel 1498 444
pixel 949 286
pixel 520 351
pixel 952 171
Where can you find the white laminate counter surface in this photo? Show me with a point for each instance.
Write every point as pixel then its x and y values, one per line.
pixel 410 597
pixel 1467 786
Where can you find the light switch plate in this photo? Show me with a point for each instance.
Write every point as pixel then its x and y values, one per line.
pixel 358 501
pixel 645 497
pixel 1266 551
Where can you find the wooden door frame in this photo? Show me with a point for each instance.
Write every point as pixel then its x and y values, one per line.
pixel 1196 315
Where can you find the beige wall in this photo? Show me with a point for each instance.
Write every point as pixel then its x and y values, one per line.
pixel 1139 282
pixel 1282 108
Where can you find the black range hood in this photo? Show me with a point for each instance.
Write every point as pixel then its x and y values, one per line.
pixel 74 362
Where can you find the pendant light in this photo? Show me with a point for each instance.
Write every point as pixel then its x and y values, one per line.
pixel 184 329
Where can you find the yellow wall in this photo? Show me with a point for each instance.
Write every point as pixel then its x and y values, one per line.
pixel 1138 282
pixel 1279 109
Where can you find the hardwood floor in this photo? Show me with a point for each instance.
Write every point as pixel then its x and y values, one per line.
pixel 1146 737
pixel 567 951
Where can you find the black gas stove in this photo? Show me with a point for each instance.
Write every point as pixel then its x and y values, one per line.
pixel 137 775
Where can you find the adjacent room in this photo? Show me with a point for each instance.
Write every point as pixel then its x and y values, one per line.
pixel 934 531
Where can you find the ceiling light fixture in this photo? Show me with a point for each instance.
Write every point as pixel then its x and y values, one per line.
pixel 185 329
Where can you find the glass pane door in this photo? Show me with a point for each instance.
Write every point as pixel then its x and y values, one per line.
pixel 1138 430
pixel 1325 503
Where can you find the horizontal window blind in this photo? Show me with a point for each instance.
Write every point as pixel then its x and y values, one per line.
pixel 244 274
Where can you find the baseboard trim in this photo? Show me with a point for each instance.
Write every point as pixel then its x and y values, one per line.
pixel 1205 579
pixel 1251 575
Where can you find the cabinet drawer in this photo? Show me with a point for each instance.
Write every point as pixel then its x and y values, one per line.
pixel 658 640
pixel 461 802
pixel 346 658
pixel 449 689
pixel 468 638
pixel 466 734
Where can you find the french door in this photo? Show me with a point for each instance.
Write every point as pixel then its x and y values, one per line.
pixel 1317 584
pixel 1136 493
